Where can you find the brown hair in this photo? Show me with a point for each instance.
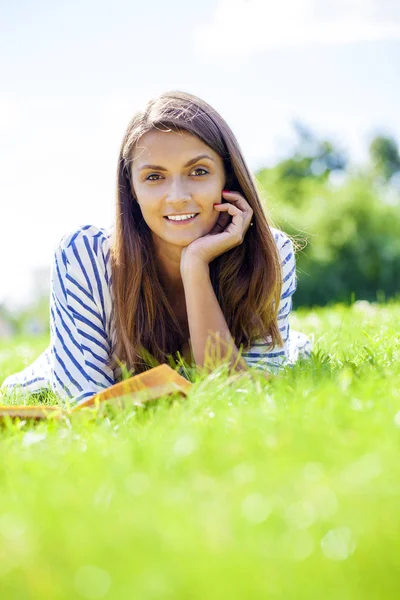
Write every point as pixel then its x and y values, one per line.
pixel 246 279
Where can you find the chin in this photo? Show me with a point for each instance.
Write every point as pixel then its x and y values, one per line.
pixel 178 240
pixel 183 241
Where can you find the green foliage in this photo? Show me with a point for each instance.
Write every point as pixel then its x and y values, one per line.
pixel 348 237
pixel 385 157
pixel 346 222
pixel 286 488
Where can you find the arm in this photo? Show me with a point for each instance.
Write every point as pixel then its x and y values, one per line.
pixel 205 317
pixel 79 315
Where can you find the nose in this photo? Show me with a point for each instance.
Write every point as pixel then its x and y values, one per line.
pixel 178 192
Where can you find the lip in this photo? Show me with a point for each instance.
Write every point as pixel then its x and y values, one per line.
pixel 180 222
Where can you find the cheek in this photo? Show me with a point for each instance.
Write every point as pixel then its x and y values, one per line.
pixel 148 203
pixel 211 188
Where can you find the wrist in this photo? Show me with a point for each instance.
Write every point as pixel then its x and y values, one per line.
pixel 193 268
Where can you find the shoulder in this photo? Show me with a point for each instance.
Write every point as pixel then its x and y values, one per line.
pixel 86 235
pixel 87 243
pixel 284 244
pixel 86 250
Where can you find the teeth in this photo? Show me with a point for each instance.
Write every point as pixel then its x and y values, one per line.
pixel 181 217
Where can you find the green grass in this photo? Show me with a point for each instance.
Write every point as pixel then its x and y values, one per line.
pixel 250 489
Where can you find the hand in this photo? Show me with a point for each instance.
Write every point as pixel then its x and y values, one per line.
pixel 222 237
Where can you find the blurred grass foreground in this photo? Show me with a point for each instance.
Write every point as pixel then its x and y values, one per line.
pixel 254 489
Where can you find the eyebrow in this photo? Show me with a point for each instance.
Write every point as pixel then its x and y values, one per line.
pixel 190 162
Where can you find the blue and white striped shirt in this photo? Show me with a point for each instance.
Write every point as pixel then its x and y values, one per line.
pixel 81 311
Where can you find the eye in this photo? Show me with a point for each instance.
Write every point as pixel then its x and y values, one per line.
pixel 156 176
pixel 200 169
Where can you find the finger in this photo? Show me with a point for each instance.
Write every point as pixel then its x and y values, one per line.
pixel 229 208
pixel 237 198
pixel 236 214
pixel 223 218
pixel 236 227
pixel 222 222
pixel 241 202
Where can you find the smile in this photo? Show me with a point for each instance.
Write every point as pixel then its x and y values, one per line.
pixel 179 219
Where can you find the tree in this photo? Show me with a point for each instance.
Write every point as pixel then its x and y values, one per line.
pixel 385 158
pixel 311 163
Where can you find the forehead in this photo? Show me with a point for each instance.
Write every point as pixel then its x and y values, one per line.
pixel 162 147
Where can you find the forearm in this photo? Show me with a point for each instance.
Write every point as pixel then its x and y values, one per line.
pixel 210 337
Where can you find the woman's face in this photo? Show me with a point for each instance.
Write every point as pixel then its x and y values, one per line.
pixel 177 174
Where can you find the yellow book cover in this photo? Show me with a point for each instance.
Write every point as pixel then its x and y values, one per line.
pixel 138 389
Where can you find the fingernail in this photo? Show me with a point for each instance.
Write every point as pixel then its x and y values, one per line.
pixel 228 191
pixel 217 204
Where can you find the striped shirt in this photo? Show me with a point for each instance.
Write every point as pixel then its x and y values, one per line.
pixel 81 314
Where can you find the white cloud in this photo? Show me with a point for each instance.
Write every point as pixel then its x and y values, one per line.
pixel 241 27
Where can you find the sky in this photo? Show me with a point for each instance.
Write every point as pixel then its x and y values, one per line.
pixel 74 72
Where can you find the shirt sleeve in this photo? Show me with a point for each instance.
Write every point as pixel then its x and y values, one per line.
pixel 279 356
pixel 80 306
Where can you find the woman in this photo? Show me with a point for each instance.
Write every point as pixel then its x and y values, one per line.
pixel 191 264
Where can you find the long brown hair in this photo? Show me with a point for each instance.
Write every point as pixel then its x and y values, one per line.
pixel 246 279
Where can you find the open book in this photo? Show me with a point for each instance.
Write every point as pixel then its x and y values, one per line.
pixel 149 385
